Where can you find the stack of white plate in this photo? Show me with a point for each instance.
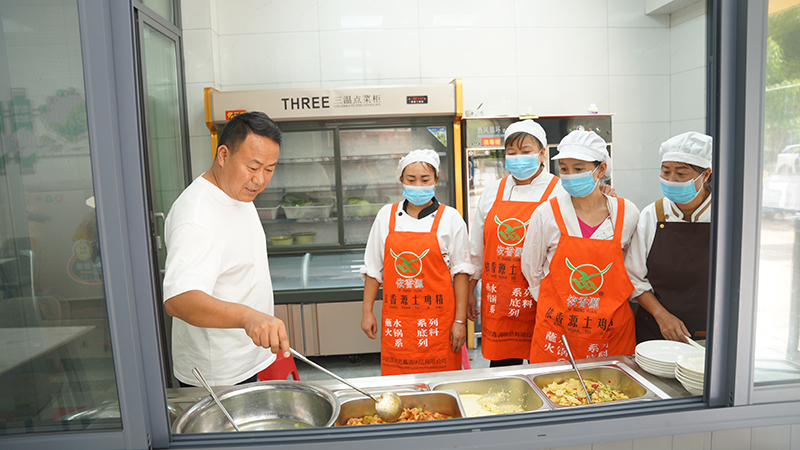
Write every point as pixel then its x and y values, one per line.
pixel 658 357
pixel 690 370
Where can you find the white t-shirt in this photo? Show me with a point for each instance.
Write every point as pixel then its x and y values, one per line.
pixel 452 236
pixel 542 242
pixel 636 259
pixel 216 245
pixel 513 192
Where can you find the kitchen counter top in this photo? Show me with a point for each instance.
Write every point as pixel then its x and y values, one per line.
pixel 663 388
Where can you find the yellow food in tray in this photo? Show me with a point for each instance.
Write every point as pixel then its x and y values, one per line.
pixel 571 393
pixel 488 404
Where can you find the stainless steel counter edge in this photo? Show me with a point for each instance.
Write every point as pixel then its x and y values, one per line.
pixel 663 388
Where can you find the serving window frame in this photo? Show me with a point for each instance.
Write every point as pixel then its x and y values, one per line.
pixel 735 110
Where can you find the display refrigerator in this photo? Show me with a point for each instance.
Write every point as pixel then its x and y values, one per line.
pixel 337 168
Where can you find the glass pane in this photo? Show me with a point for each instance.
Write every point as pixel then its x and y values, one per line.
pixel 164 119
pixel 777 356
pixel 164 8
pixel 56 372
pixel 298 207
pixel 369 171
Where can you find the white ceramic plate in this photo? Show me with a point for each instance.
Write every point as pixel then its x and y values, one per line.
pixel 657 372
pixel 662 351
pixel 654 363
pixel 690 377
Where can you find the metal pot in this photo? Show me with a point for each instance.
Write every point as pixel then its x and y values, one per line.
pixel 265 405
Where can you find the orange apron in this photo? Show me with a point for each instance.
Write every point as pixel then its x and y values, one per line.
pixel 585 297
pixel 419 304
pixel 507 307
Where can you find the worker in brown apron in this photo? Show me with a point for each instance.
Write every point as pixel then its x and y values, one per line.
pixel 670 259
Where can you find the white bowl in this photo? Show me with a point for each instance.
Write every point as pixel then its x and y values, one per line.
pixel 690 362
pixel 689 382
pixel 654 363
pixel 693 378
pixel 662 351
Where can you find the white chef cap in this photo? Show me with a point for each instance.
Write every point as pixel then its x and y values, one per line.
pixel 530 127
pixel 423 155
pixel 690 148
pixel 583 145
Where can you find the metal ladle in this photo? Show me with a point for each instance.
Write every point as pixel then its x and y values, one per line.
pixel 389 407
pixel 575 366
pixel 203 381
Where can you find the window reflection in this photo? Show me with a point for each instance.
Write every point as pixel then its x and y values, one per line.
pixel 777 355
pixel 56 372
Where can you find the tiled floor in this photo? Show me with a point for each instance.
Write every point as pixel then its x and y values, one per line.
pixel 364 365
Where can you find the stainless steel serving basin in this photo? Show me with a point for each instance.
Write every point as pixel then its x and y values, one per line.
pixel 520 390
pixel 265 405
pixel 613 377
pixel 377 391
pixel 444 402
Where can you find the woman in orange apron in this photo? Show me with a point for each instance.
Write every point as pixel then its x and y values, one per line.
pixel 497 234
pixel 574 260
pixel 419 250
pixel 672 290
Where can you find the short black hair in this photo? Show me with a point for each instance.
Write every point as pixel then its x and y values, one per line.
pixel 240 126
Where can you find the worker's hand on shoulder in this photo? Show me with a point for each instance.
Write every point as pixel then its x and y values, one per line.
pixel 268 332
pixel 369 325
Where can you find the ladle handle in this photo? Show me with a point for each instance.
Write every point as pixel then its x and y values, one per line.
pixel 575 366
pixel 317 366
pixel 202 380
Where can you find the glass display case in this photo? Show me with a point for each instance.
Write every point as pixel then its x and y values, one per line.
pixel 331 182
pixel 337 168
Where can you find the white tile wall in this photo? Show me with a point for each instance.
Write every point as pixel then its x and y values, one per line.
pixel 268 57
pixel 771 438
pixel 562 51
pixel 656 443
pixel 738 439
pixel 514 56
pixel 466 13
pixel 367 14
pixel 259 16
pixel 630 13
pixel 465 52
pixel 562 13
pixel 639 51
pixel 639 186
pixel 618 445
pixel 640 98
pixel 195 14
pixel 550 95
pixel 692 441
pixel 369 54
pixel 688 99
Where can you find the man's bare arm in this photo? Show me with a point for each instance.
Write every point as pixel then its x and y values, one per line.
pixel 202 310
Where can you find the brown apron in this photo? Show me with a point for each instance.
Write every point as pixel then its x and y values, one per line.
pixel 677 268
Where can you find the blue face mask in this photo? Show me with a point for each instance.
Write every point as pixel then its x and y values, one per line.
pixel 418 195
pixel 679 191
pixel 579 184
pixel 522 167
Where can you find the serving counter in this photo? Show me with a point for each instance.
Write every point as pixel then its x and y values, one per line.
pixel 648 387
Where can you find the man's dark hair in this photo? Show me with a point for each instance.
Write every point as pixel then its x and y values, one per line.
pixel 240 126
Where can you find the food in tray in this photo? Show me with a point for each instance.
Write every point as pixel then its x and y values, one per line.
pixel 305 202
pixel 571 393
pixel 488 404
pixel 358 201
pixel 409 415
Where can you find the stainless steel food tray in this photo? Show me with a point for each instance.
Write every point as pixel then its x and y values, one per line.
pixel 521 390
pixel 443 402
pixel 611 375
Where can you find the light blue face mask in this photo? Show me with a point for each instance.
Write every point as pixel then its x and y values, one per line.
pixel 679 191
pixel 524 166
pixel 418 195
pixel 579 184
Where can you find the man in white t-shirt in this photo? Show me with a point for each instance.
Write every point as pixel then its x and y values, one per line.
pixel 217 284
